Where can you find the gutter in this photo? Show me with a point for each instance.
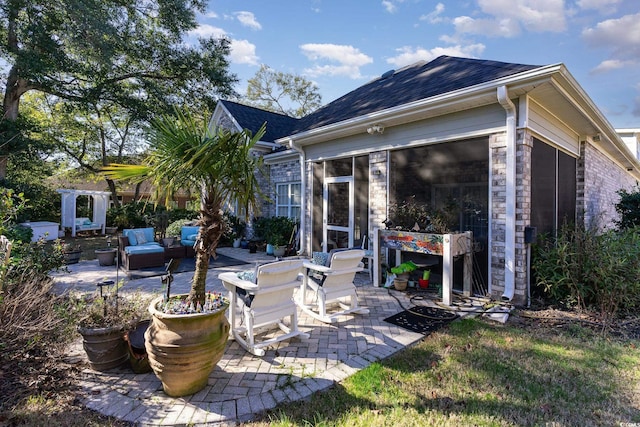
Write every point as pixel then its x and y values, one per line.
pixel 510 202
pixel 303 193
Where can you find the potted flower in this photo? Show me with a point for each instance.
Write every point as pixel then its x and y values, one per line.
pixel 104 319
pixel 402 272
pixel 278 231
pixel 184 346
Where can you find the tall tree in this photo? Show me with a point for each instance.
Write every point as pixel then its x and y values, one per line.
pixel 185 153
pixel 283 92
pixel 127 52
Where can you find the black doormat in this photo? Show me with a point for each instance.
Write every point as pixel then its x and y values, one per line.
pixel 422 319
pixel 186 264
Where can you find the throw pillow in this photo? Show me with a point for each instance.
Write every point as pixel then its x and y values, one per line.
pixel 248 275
pixel 140 237
pixel 320 258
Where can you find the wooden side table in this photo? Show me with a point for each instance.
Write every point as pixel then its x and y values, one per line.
pixel 174 251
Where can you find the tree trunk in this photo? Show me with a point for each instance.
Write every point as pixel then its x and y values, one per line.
pixel 114 192
pixel 3 167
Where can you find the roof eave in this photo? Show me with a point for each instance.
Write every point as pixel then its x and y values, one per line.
pixel 481 94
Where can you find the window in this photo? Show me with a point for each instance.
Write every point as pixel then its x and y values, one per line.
pixel 553 188
pixel 288 200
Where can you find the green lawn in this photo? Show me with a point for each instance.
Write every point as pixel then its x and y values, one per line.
pixel 476 373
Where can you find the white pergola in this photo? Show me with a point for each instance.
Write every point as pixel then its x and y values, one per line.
pixel 68 208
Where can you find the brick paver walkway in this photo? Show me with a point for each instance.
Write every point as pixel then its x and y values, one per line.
pixel 242 385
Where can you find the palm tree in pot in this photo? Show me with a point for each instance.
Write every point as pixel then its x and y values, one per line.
pixel 185 154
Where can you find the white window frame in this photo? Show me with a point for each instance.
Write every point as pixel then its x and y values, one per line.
pixel 289 203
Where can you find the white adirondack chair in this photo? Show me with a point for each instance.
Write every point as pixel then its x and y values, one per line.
pixel 332 284
pixel 266 302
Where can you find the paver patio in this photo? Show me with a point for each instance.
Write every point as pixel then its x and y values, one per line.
pixel 242 385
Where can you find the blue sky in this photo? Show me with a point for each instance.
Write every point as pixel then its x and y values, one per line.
pixel 341 45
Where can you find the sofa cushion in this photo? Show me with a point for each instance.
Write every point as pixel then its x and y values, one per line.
pixel 149 248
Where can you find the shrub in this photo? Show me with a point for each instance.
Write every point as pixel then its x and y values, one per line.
pixel 590 270
pixel 628 208
pixel 174 229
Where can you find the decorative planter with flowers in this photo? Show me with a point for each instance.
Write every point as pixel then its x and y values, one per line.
pixel 72 253
pixel 180 343
pixel 104 319
pixel 184 342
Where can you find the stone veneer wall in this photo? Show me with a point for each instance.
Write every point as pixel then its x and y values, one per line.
pixel 599 178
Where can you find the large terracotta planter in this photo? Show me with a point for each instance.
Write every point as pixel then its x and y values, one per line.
pixel 105 347
pixel 183 349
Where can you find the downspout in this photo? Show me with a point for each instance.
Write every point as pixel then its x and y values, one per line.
pixel 510 196
pixel 303 194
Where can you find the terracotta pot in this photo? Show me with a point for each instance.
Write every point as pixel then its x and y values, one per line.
pixel 400 284
pixel 183 349
pixel 105 347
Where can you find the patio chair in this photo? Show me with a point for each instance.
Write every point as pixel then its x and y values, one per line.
pixel 264 299
pixel 332 284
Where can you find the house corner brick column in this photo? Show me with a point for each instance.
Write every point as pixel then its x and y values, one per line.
pixel 523 213
pixel 498 212
pixel 378 172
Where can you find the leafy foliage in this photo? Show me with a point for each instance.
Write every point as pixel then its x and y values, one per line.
pixel 276 91
pixel 590 270
pixel 628 208
pixel 186 155
pixel 108 67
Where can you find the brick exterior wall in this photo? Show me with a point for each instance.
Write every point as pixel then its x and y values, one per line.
pixel 498 210
pixel 599 178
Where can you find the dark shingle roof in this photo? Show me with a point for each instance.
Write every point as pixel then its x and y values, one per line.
pixel 278 125
pixel 412 83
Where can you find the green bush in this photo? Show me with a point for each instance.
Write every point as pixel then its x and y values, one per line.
pixel 628 208
pixel 174 229
pixel 143 214
pixel 591 270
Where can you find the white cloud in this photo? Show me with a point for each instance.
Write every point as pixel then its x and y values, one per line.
pixel 408 55
pixel 390 5
pixel 505 27
pixel 348 59
pixel 206 30
pixel 620 36
pixel 243 52
pixel 507 18
pixel 609 65
pixel 210 14
pixel 248 19
pixel 602 6
pixel 434 17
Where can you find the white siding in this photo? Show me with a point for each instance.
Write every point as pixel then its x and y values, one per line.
pixel 456 126
pixel 549 128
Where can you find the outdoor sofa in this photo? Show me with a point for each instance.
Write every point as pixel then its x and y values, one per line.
pixel 138 249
